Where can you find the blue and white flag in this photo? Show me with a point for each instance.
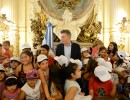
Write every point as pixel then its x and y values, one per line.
pixel 48 37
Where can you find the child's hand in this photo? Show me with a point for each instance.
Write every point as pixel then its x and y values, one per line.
pixel 113 69
pixel 82 93
pixel 51 98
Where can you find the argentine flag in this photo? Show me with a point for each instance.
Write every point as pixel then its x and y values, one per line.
pixel 48 37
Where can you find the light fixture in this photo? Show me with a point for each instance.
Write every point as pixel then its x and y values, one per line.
pixel 124 24
pixel 123 30
pixel 5 25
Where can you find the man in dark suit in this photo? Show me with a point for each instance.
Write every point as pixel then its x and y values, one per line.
pixel 68 48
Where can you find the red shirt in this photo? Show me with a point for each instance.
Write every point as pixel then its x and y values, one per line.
pixel 100 88
pixel 6 53
pixel 12 95
pixel 50 61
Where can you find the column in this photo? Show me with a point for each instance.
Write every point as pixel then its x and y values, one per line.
pixel 106 22
pixel 22 24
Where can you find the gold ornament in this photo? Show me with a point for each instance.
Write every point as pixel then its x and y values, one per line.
pixel 70 4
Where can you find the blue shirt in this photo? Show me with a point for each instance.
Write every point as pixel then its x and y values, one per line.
pixel 67 51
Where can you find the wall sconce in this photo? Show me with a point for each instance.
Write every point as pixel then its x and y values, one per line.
pixel 123 26
pixel 4 25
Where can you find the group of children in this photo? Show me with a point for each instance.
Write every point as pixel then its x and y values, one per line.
pixel 41 77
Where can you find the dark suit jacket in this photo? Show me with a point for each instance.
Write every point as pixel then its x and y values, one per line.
pixel 75 50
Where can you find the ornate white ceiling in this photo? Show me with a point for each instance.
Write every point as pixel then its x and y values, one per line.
pixel 55 8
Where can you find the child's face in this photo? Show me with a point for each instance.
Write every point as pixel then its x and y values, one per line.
pixel 103 53
pixel 44 51
pixel 2 75
pixel 77 73
pixel 111 46
pixel 6 46
pixel 11 88
pixel 85 54
pixel 14 64
pixel 25 59
pixel 44 64
pixel 32 82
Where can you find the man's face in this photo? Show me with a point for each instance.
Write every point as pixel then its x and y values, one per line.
pixel 64 38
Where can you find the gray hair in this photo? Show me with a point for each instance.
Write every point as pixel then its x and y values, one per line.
pixel 66 32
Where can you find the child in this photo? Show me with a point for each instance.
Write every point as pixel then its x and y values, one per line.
pixel 32 90
pixel 72 88
pixel 2 79
pixel 26 47
pixel 88 73
pixel 84 54
pixel 103 53
pixel 100 84
pixel 45 50
pixel 43 72
pixel 79 63
pixel 122 87
pixel 6 46
pixel 112 49
pixel 43 66
pixel 61 62
pixel 95 48
pixel 14 62
pixel 118 59
pixel 12 91
pixel 4 60
pixel 56 82
pixel 22 69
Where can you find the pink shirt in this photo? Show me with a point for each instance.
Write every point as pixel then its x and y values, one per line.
pixel 12 95
pixel 94 51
